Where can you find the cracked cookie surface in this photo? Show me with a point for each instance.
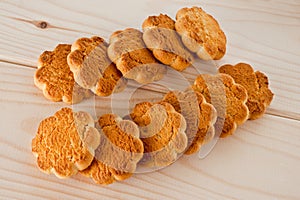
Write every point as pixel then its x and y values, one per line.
pixel 256 84
pixel 131 56
pixel 200 117
pixel 65 143
pixel 162 39
pixel 162 131
pixel 201 33
pixel 119 151
pixel 55 78
pixel 228 97
pixel 93 69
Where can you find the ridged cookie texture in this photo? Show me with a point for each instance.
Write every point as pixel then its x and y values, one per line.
pixel 65 143
pixel 256 84
pixel 92 68
pixel 200 117
pixel 201 33
pixel 229 99
pixel 162 39
pixel 55 78
pixel 131 56
pixel 162 131
pixel 119 151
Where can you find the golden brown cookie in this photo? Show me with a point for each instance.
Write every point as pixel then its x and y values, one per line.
pixel 119 151
pixel 161 37
pixel 93 69
pixel 162 131
pixel 65 143
pixel 228 97
pixel 256 84
pixel 103 174
pixel 128 51
pixel 200 117
pixel 54 77
pixel 201 33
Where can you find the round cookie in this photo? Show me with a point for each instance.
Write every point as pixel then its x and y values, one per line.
pixel 201 33
pixel 256 84
pixel 93 69
pixel 162 39
pixel 65 143
pixel 200 117
pixel 128 51
pixel 119 151
pixel 162 131
pixel 228 97
pixel 54 77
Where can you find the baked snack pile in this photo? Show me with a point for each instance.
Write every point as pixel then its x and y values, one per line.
pixel 201 33
pixel 93 69
pixel 162 131
pixel 104 68
pixel 127 49
pixel 112 148
pixel 228 97
pixel 162 39
pixel 54 77
pixel 256 84
pixel 200 117
pixel 68 142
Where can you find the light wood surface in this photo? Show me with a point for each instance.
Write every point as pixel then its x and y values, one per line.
pixel 261 161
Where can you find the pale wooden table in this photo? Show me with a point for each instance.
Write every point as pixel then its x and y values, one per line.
pixel 261 161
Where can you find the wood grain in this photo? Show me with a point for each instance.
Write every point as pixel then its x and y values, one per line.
pixel 261 161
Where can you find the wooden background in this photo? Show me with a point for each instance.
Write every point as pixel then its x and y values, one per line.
pixel 261 161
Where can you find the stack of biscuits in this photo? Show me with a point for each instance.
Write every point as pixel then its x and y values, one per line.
pixel 155 134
